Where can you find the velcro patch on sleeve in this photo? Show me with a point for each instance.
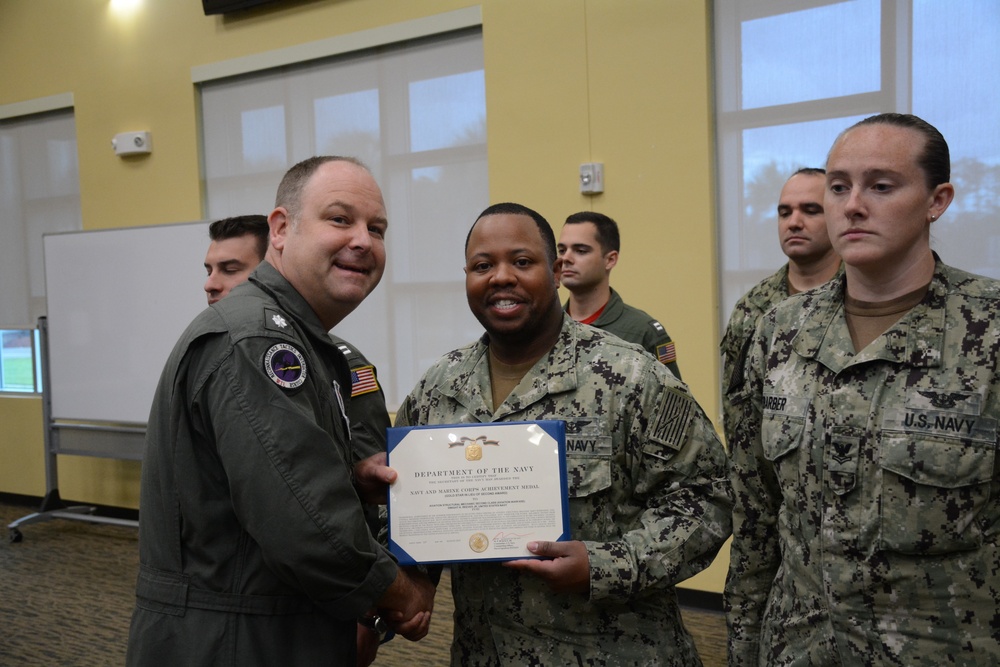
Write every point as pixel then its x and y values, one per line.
pixel 363 380
pixel 672 417
pixel 666 353
pixel 285 365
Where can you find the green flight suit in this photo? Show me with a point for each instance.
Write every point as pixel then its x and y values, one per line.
pixel 254 548
pixel 636 326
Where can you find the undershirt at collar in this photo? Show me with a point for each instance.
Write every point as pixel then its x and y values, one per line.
pixel 504 377
pixel 593 318
pixel 867 320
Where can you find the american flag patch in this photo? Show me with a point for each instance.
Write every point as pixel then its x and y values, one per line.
pixel 674 413
pixel 666 353
pixel 363 380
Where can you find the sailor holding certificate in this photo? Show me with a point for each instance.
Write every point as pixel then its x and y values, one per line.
pixel 649 501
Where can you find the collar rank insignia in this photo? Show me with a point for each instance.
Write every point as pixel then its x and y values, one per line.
pixel 276 320
pixel 285 365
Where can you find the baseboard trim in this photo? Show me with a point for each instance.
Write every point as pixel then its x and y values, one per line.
pixel 700 600
pixel 34 503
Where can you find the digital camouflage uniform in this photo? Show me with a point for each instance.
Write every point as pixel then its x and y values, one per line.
pixel 739 333
pixel 253 546
pixel 647 495
pixel 636 326
pixel 867 508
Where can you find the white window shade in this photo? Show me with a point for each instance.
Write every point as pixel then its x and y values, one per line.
pixel 791 76
pixel 415 113
pixel 39 194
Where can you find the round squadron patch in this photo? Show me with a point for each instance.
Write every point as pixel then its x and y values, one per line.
pixel 285 365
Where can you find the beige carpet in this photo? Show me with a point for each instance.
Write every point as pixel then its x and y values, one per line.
pixel 67 591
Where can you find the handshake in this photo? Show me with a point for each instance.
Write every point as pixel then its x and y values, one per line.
pixel 405 608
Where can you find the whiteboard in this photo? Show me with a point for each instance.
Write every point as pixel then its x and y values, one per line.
pixel 118 300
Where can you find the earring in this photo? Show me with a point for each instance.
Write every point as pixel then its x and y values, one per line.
pixel 933 218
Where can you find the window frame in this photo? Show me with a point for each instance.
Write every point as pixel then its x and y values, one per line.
pixel 20 112
pixel 400 363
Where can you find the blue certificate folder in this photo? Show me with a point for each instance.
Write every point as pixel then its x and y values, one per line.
pixel 476 492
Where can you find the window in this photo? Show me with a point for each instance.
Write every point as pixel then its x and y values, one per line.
pixel 19 371
pixel 789 81
pixel 415 113
pixel 39 194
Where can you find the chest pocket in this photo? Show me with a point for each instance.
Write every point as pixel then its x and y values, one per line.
pixel 588 464
pixel 937 473
pixel 588 475
pixel 782 433
pixel 782 426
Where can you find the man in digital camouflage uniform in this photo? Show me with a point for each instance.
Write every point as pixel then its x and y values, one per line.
pixel 867 513
pixel 253 544
pixel 588 246
pixel 648 498
pixel 811 262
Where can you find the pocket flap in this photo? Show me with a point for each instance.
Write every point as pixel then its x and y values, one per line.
pixel 943 462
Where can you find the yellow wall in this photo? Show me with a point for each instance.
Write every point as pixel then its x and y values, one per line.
pixel 623 82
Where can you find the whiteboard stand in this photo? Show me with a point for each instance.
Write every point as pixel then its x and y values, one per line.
pixel 83 438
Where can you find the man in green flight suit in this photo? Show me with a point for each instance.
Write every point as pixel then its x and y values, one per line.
pixel 238 245
pixel 253 542
pixel 588 246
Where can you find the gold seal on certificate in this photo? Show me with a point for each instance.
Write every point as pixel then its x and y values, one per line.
pixel 479 542
pixel 476 491
pixel 473 452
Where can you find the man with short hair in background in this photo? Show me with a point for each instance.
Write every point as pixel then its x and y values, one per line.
pixel 812 262
pixel 588 246
pixel 238 246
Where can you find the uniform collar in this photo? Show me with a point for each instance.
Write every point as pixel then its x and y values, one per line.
pixel 763 299
pixel 917 339
pixel 267 278
pixel 554 373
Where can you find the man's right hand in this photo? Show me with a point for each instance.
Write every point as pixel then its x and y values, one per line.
pixel 408 604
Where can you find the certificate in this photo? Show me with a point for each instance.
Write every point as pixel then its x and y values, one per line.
pixel 476 492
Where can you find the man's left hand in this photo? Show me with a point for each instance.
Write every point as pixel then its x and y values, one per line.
pixel 372 478
pixel 567 569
